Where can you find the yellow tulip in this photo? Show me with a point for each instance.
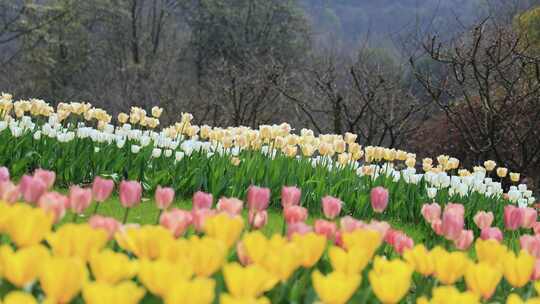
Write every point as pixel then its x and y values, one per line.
pixel 367 239
pixel 311 246
pixel 28 226
pixel 123 293
pixel 22 267
pixel 144 242
pixel 450 295
pixel 281 265
pixel 5 215
pixel 482 279
pixel 206 255
pixel 81 241
pixel 420 259
pixel 518 269
pixel 19 297
pixel 196 291
pixel 158 276
pixel 491 252
pixel 62 278
pixel 350 262
pixel 256 246
pixel 336 287
pixel 515 299
pixel 225 298
pixel 247 282
pixel 449 266
pixel 390 280
pixel 112 267
pixel 224 228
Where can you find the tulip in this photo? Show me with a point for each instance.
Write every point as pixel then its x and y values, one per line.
pixel 255 245
pixel 243 257
pixel 198 290
pixel 224 228
pixel 164 197
pixel 290 196
pixel 437 227
pixel 123 293
pixel 298 228
pixel 232 206
pixel 449 266
pixel 32 188
pixel 350 224
pixel 9 192
pixel 483 219
pixel 4 174
pixel 379 199
pixel 19 297
pixel 335 287
pixel 531 244
pixel 491 233
pixel 48 177
pixel 102 189
pixel 331 206
pixel 210 255
pixel 108 224
pixel 367 239
pixel 513 217
pixel 55 203
pixel 294 214
pixel 112 267
pixel 144 242
pixel 482 279
pixel 22 267
pixel 79 241
pixel 398 240
pixel 326 228
pixel 349 262
pixel 62 278
pixel 79 199
pixel 518 269
pixel 465 239
pixel 247 282
pixel 258 198
pixel 30 231
pixel 491 252
pixel 431 212
pixel 381 227
pixel 202 200
pixel 528 217
pixel 536 227
pixel 199 217
pixel 536 272
pixel 177 221
pixel 130 193
pixel 390 280
pixel 452 221
pixel 420 259
pixel 257 219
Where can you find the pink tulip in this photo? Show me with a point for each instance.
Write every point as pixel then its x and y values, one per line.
pixel 4 174
pixel 536 272
pixel 436 225
pixel 290 196
pixel 258 198
pixel 294 214
pixel 300 228
pixel 230 205
pixel 257 219
pixel 9 192
pixel 32 188
pixel 338 239
pixel 54 203
pixel 199 217
pixel 202 200
pixel 491 233
pixel 379 199
pixel 130 193
pixel 536 227
pixel 513 217
pixel 331 206
pixel 381 227
pixel 164 197
pixel 326 228
pixel 483 219
pixel 102 189
pixel 465 239
pixel 431 212
pixel 243 257
pixel 528 217
pixel 48 177
pixel 531 244
pixel 399 240
pixel 79 199
pixel 176 220
pixel 350 224
pixel 109 224
pixel 452 221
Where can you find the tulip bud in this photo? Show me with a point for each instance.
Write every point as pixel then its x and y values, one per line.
pixel 379 199
pixel 331 206
pixel 164 197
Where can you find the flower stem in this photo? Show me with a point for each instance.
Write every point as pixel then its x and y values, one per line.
pixel 159 216
pixel 125 216
pixel 96 208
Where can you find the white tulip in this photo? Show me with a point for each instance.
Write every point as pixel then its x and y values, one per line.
pixel 135 149
pixel 431 192
pixel 156 152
